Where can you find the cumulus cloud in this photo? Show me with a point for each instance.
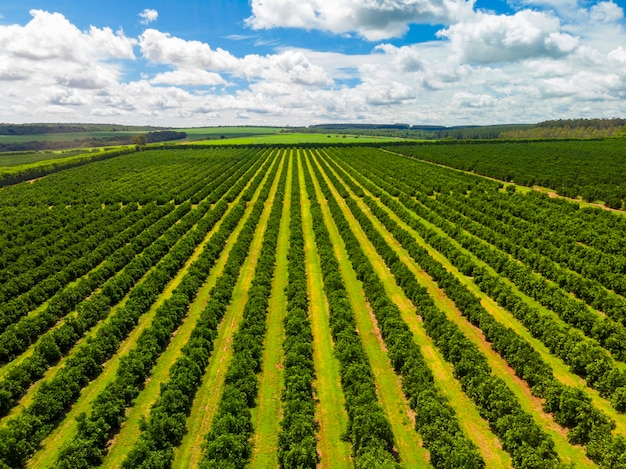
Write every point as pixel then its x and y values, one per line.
pixel 65 96
pixel 189 78
pixel 562 7
pixel 372 19
pixel 585 86
pixel 619 55
pixel 51 36
pixel 12 72
pixel 487 38
pixel 51 51
pixel 482 68
pixel 405 58
pixel 466 99
pixel 606 12
pixel 162 48
pixel 148 16
pixel 289 66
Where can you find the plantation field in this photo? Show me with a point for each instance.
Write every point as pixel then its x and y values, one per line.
pixel 330 306
pixel 592 170
pixel 295 138
pixel 61 137
pixel 199 133
pixel 8 159
pixel 18 161
pixel 18 167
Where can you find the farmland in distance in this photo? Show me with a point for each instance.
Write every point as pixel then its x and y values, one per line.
pixel 315 306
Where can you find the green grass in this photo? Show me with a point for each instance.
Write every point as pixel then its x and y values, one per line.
pixel 201 133
pixel 530 403
pixel 63 137
pixel 389 388
pixel 28 397
pixel 330 412
pixel 39 310
pixel 50 448
pixel 130 430
pixel 239 135
pixel 561 369
pixel 9 159
pixel 205 404
pixel 518 187
pixel 64 433
pixel 474 426
pixel 266 416
pixel 55 160
pixel 296 138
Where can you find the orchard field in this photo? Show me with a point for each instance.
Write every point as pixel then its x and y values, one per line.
pixel 338 306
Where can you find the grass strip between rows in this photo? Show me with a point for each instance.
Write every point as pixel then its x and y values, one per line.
pixel 556 328
pixel 296 438
pixel 331 418
pixel 20 438
pixel 369 430
pixel 109 408
pixel 408 447
pixel 228 444
pixel 527 443
pixel 436 421
pixel 22 320
pixel 267 414
pixel 58 342
pixel 165 427
pixel 571 407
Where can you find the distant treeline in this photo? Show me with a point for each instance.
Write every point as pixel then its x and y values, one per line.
pixel 164 136
pixel 572 128
pixel 562 128
pixel 122 139
pixel 38 129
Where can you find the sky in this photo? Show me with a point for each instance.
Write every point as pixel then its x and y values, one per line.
pixel 193 63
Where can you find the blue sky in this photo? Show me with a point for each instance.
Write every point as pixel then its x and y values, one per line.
pixel 281 62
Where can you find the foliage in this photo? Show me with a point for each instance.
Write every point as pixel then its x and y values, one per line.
pixel 87 252
pixel 435 419
pixel 297 442
pixel 571 408
pixel 368 428
pixel 16 174
pixel 592 170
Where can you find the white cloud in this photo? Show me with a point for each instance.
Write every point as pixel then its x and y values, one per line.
pixel 162 48
pixel 13 72
pixel 586 86
pixel 64 96
pixel 148 16
pixel 189 78
pixel 52 36
pixel 562 7
pixel 472 100
pixel 289 66
pixel 405 58
pixel 483 68
pixel 371 19
pixel 238 37
pixel 50 51
pixel 487 38
pixel 606 12
pixel 618 55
